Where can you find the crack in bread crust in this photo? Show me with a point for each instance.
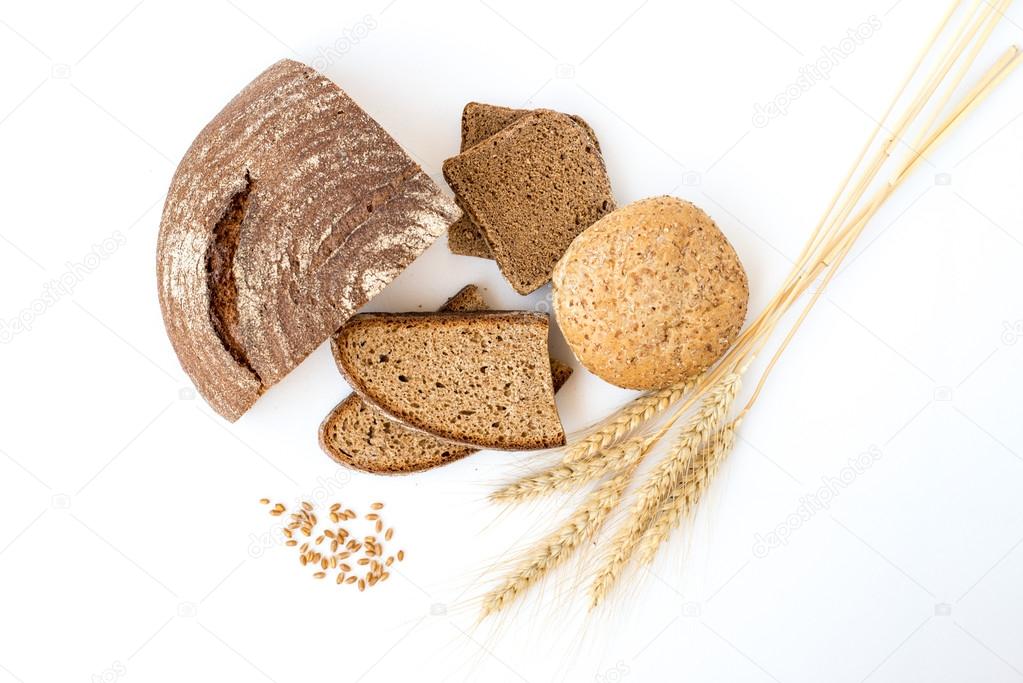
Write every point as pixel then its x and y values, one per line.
pixel 261 187
pixel 220 275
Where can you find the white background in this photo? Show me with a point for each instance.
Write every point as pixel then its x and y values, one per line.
pixel 130 535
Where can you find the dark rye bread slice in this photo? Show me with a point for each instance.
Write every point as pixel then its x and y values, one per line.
pixel 531 188
pixel 290 210
pixel 478 379
pixel 479 122
pixel 358 436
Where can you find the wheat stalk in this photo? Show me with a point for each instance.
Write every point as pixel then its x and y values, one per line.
pixel 662 481
pixel 676 485
pixel 686 496
pixel 640 411
pixel 559 545
pixel 567 476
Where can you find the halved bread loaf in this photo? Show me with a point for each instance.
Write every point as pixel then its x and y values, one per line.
pixel 361 437
pixel 531 188
pixel 479 379
pixel 291 209
pixel 479 122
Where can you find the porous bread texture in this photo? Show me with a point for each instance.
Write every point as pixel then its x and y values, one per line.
pixel 479 122
pixel 360 437
pixel 465 239
pixel 531 188
pixel 650 295
pixel 479 379
pixel 290 210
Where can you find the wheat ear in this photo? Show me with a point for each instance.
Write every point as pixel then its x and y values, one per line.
pixel 687 494
pixel 662 481
pixel 627 420
pixel 557 546
pixel 567 476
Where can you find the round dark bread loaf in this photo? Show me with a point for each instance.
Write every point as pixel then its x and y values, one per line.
pixel 290 210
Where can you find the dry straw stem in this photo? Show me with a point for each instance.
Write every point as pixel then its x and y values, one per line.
pixel 568 476
pixel 836 234
pixel 559 545
pixel 627 420
pixel 834 229
pixel 661 482
pixel 830 221
pixel 683 500
pixel 847 215
pixel 842 245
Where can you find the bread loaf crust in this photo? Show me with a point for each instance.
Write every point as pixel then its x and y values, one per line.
pixel 333 210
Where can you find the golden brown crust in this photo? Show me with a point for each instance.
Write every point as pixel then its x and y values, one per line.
pixel 651 294
pixel 333 210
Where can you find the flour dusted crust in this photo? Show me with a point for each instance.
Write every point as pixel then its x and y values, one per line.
pixel 291 209
pixel 651 294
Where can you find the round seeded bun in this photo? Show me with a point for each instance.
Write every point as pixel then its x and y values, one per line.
pixel 651 294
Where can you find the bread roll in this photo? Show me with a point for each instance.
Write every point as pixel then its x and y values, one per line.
pixel 651 294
